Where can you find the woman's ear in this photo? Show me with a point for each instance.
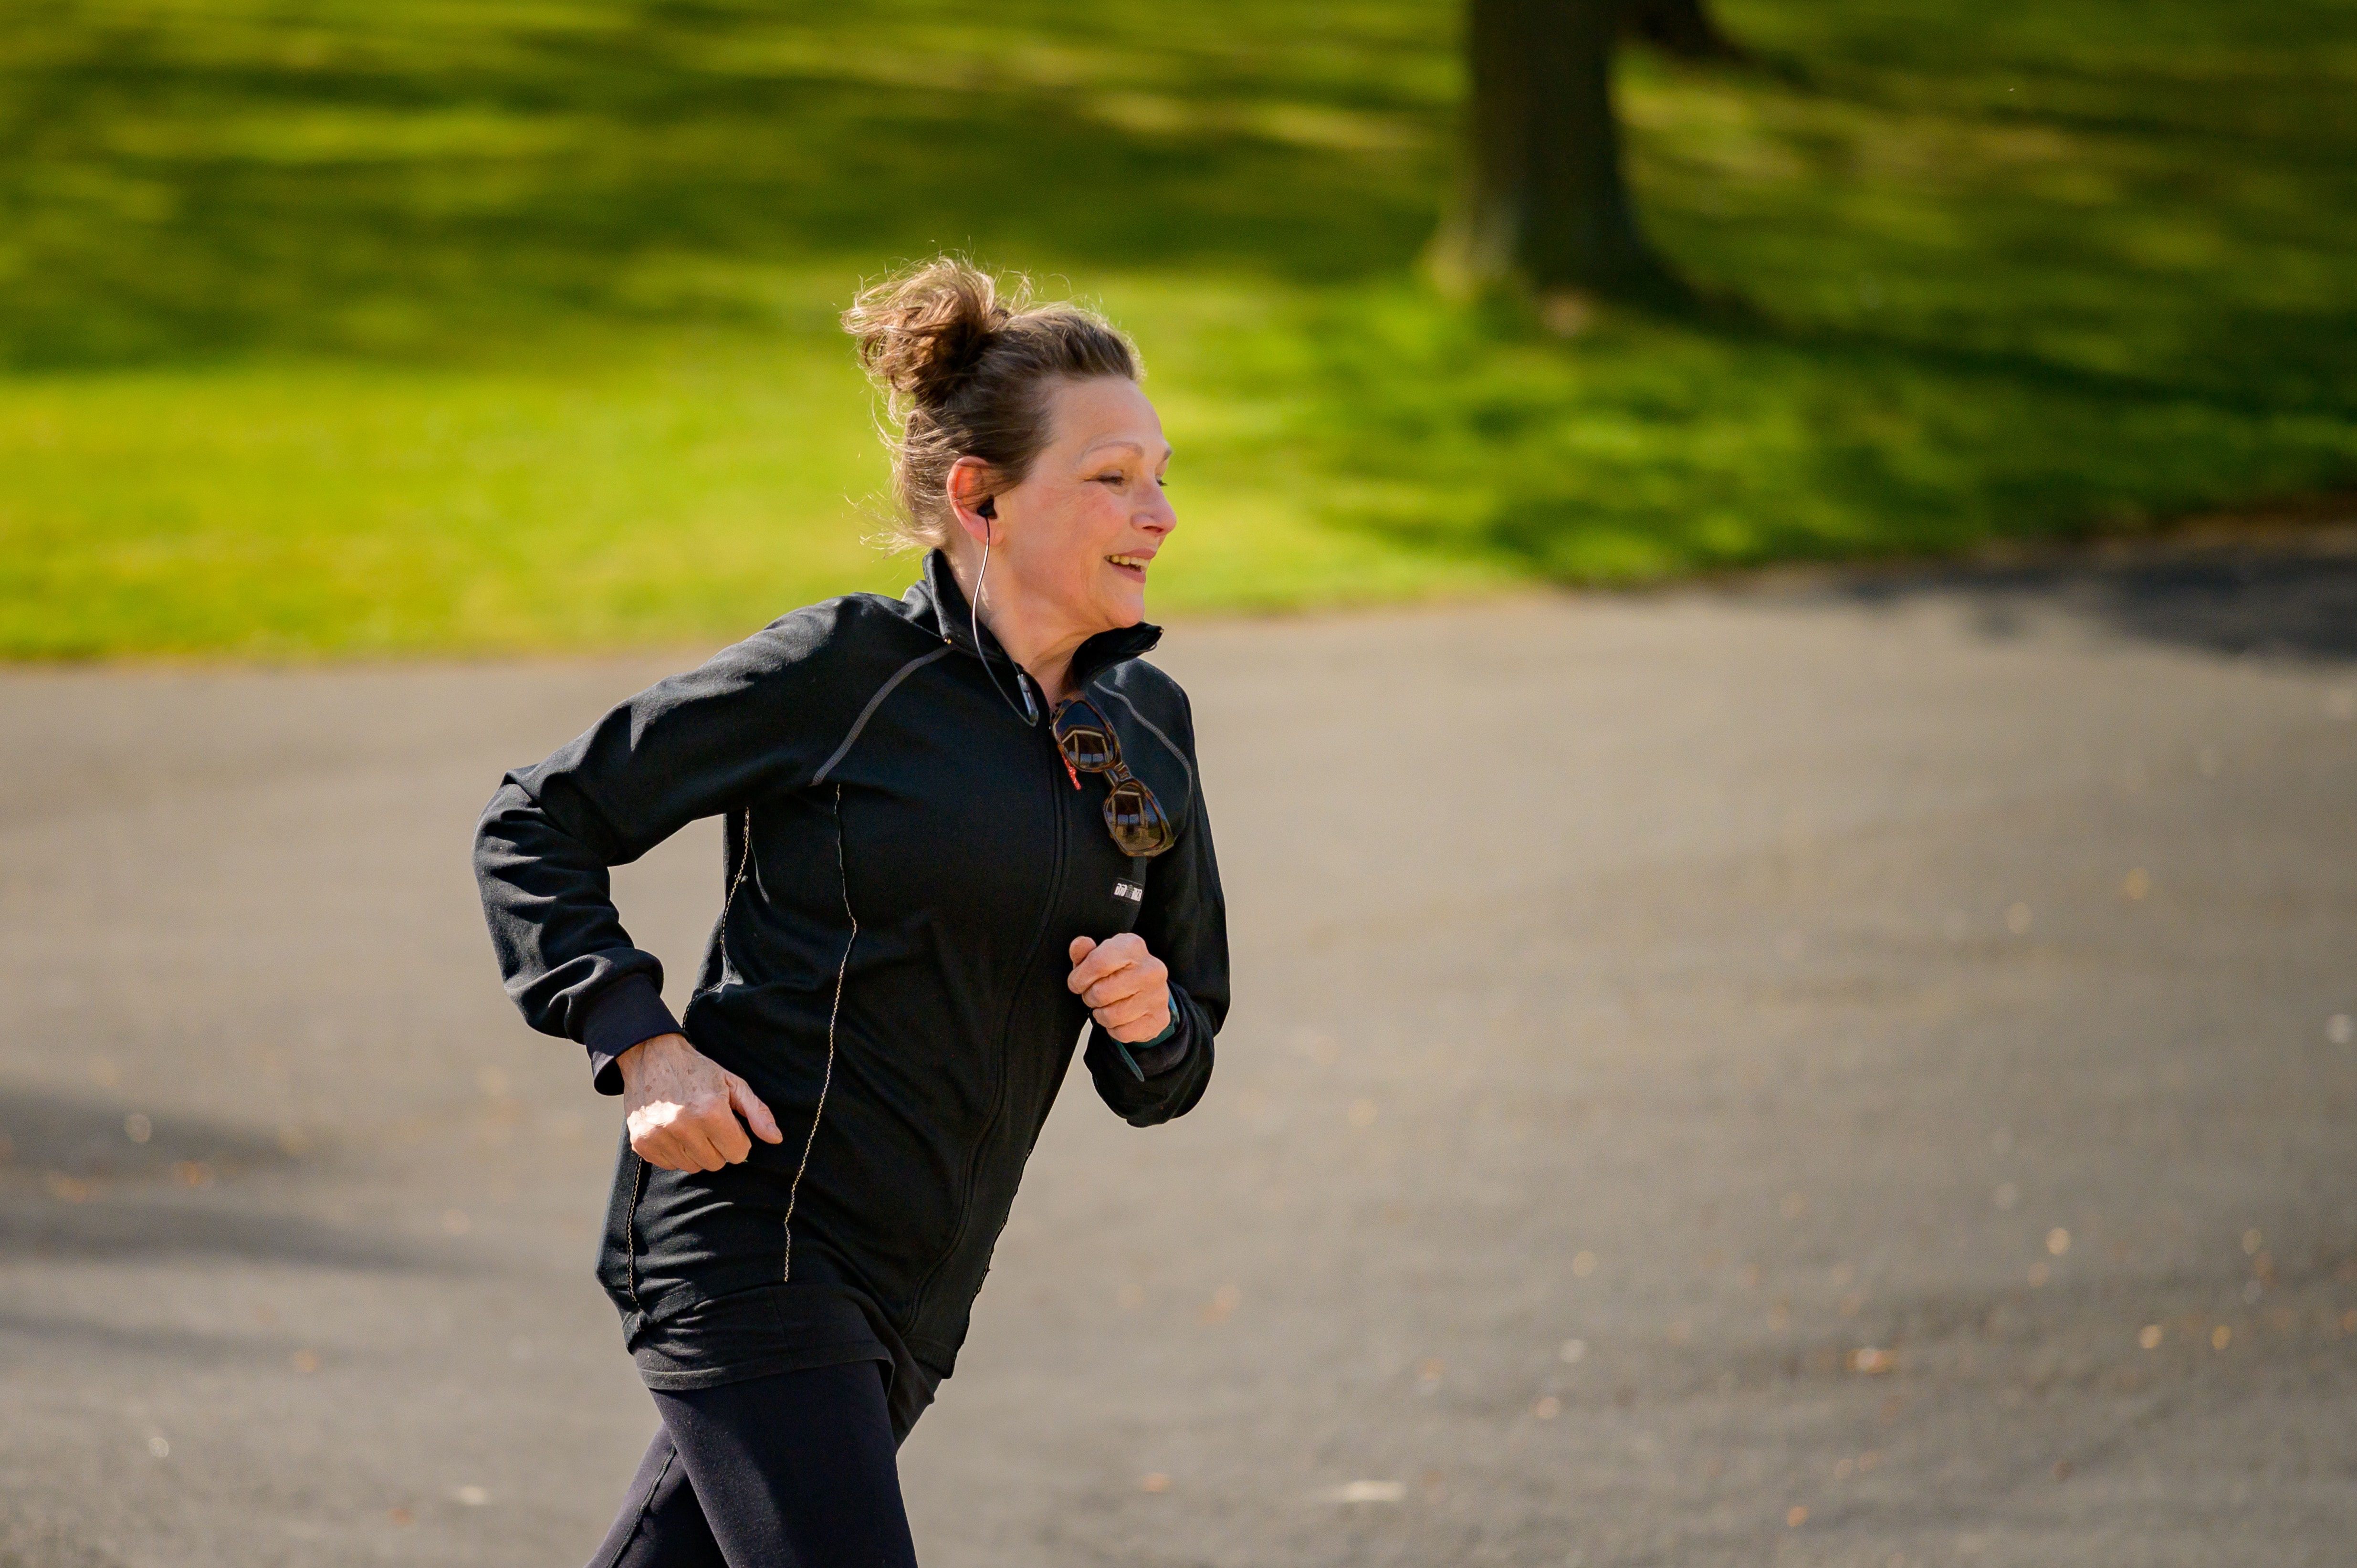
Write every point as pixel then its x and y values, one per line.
pixel 970 502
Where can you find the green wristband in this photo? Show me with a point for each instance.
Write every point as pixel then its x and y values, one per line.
pixel 1130 1061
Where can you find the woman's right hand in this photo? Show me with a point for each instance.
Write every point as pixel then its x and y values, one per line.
pixel 681 1107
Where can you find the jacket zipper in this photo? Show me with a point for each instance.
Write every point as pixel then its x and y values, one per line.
pixel 1055 901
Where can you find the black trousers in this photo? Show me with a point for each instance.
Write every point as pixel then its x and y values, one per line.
pixel 796 1470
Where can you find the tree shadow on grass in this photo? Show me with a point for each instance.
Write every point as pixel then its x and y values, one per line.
pixel 190 189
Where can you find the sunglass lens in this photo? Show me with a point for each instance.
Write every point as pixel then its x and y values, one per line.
pixel 1086 749
pixel 1084 737
pixel 1136 820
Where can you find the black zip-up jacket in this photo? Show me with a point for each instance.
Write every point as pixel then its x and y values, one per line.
pixel 907 862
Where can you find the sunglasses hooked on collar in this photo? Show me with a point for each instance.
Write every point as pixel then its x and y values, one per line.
pixel 1085 738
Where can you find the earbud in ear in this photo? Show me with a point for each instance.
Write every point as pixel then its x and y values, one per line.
pixel 989 508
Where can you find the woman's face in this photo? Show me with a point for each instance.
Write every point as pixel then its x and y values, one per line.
pixel 1081 529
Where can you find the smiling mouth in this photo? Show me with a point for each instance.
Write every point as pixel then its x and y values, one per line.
pixel 1131 563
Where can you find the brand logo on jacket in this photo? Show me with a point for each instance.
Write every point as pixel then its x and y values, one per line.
pixel 1129 890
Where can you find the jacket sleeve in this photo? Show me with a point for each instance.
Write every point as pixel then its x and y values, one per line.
pixel 694 746
pixel 1185 923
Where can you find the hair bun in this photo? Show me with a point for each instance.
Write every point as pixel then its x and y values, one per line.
pixel 923 332
pixel 964 361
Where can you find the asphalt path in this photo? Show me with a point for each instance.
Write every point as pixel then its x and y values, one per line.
pixel 1848 1071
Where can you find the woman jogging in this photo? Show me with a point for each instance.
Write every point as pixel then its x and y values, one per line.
pixel 959 826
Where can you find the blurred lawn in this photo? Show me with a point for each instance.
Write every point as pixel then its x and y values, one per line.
pixel 430 325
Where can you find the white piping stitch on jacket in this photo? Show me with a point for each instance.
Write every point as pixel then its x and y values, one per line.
pixel 875 702
pixel 834 1013
pixel 1155 730
pixel 630 1229
pixel 744 859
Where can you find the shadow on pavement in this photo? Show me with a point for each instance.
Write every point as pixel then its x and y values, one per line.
pixel 90 1140
pixel 85 1179
pixel 2294 599
pixel 71 1336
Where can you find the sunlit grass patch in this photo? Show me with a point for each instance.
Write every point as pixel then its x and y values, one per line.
pixel 421 327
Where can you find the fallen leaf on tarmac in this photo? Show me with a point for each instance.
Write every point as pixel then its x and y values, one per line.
pixel 400 1516
pixel 1794 1518
pixel 473 1496
pixel 305 1361
pixel 2150 1336
pixel 2058 1240
pixel 1871 1361
pixel 1366 1492
pixel 1154 1481
pixel 2221 1336
pixel 1547 1409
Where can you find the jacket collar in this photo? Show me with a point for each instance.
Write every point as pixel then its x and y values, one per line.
pixel 942 609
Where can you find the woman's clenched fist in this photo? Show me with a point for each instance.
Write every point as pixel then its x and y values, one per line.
pixel 1127 989
pixel 681 1107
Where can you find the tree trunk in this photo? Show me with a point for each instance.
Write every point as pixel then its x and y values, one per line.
pixel 1681 27
pixel 1540 199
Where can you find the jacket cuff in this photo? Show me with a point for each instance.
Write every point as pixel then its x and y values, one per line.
pixel 631 1012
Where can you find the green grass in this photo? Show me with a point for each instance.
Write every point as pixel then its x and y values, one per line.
pixel 460 325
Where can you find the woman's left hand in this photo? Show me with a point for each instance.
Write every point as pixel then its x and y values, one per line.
pixel 1127 989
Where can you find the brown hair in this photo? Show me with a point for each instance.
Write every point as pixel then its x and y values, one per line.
pixel 966 362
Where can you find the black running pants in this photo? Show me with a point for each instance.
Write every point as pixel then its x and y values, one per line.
pixel 796 1470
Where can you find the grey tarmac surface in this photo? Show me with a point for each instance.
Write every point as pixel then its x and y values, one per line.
pixel 1855 1071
